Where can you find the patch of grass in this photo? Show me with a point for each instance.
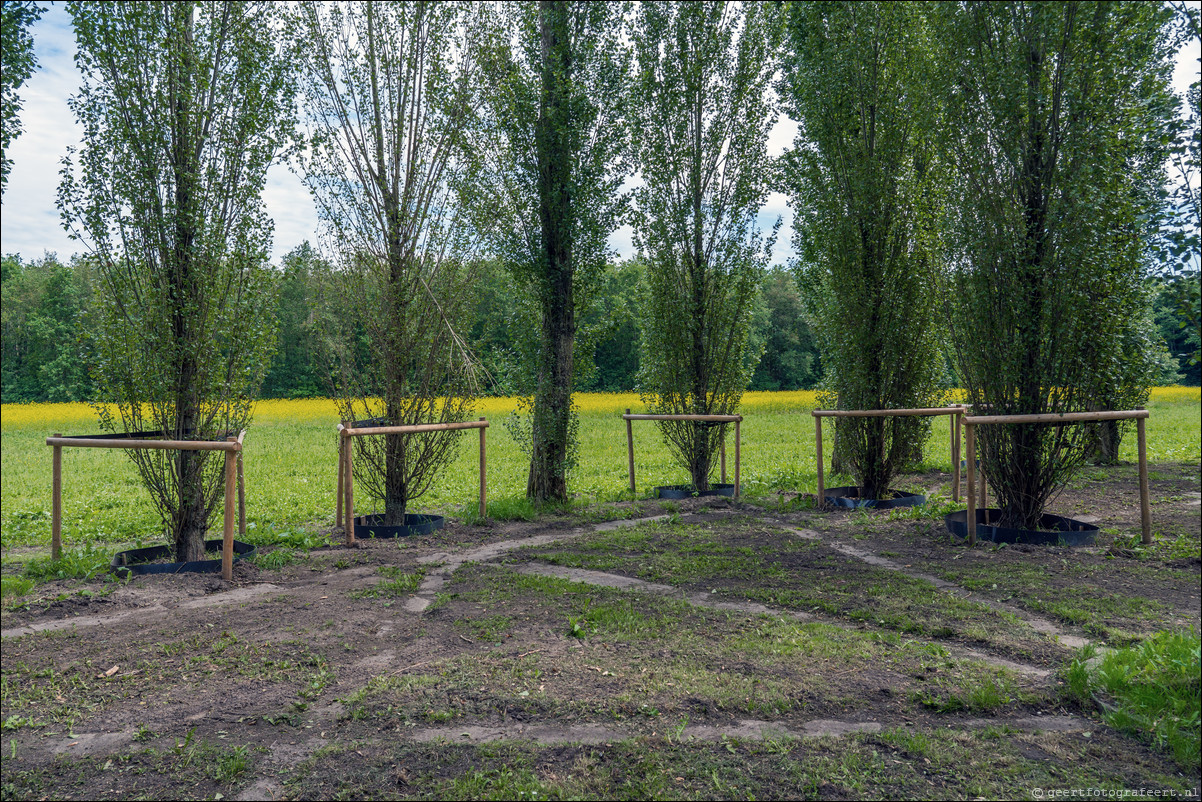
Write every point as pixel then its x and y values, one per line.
pixel 1153 690
pixel 488 628
pixel 12 588
pixel 81 563
pixel 397 583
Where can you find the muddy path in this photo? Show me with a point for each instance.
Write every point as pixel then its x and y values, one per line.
pixel 708 650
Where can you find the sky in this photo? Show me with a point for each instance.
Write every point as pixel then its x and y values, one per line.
pixel 30 224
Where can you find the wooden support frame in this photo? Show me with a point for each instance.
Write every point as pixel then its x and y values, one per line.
pixel 345 514
pixel 231 445
pixel 735 419
pixel 955 413
pixel 1138 415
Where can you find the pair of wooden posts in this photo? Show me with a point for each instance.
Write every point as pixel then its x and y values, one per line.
pixel 346 462
pixel 232 446
pixel 735 419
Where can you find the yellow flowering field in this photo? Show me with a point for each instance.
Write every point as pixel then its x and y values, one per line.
pixel 291 471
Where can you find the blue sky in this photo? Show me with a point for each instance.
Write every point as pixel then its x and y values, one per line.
pixel 30 224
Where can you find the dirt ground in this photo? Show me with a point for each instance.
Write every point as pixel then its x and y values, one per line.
pixel 697 649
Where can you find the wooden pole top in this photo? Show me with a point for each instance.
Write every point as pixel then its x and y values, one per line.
pixel 709 418
pixel 883 413
pixel 1066 417
pixel 414 428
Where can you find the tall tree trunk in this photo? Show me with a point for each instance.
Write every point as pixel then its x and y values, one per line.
pixel 553 397
pixel 190 521
pixel 699 463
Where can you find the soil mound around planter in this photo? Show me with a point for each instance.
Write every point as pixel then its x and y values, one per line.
pixel 373 526
pixel 687 491
pixel 1054 530
pixel 150 560
pixel 850 497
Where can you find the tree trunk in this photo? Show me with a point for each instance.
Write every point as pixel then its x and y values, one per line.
pixel 553 398
pixel 1102 443
pixel 190 519
pixel 699 460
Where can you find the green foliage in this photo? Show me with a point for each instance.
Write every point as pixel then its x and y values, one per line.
pixel 865 180
pixel 1151 689
pixel 1178 313
pixel 790 360
pixel 16 54
pixel 1053 120
pixel 387 108
pixel 45 332
pixel 548 196
pixel 702 107
pixel 182 108
pixel 296 369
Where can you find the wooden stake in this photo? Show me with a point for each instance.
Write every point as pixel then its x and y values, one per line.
pixel 630 450
pixel 227 540
pixel 818 452
pixel 970 496
pixel 1145 504
pixel 722 450
pixel 349 480
pixel 483 471
pixel 341 469
pixel 241 500
pixel 56 504
pixel 738 445
pixel 984 491
pixel 956 457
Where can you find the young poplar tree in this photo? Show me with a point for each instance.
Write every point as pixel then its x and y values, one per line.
pixel 703 106
pixel 862 180
pixel 183 106
pixel 388 99
pixel 550 183
pixel 1054 147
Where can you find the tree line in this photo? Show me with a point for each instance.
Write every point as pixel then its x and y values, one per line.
pixel 981 192
pixel 47 335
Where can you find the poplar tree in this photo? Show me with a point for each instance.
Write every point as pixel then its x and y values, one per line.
pixel 388 94
pixel 1057 157
pixel 183 107
pixel 553 136
pixel 703 106
pixel 863 179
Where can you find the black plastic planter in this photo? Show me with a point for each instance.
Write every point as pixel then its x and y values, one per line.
pixel 850 497
pixel 373 526
pixel 1054 530
pixel 687 491
pixel 145 561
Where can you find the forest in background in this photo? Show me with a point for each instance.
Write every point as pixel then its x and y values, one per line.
pixel 46 330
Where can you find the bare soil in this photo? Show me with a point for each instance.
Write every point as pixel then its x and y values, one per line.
pixel 700 649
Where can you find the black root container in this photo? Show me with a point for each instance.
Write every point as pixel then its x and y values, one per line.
pixel 1053 529
pixel 146 561
pixel 687 491
pixel 850 497
pixel 373 526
